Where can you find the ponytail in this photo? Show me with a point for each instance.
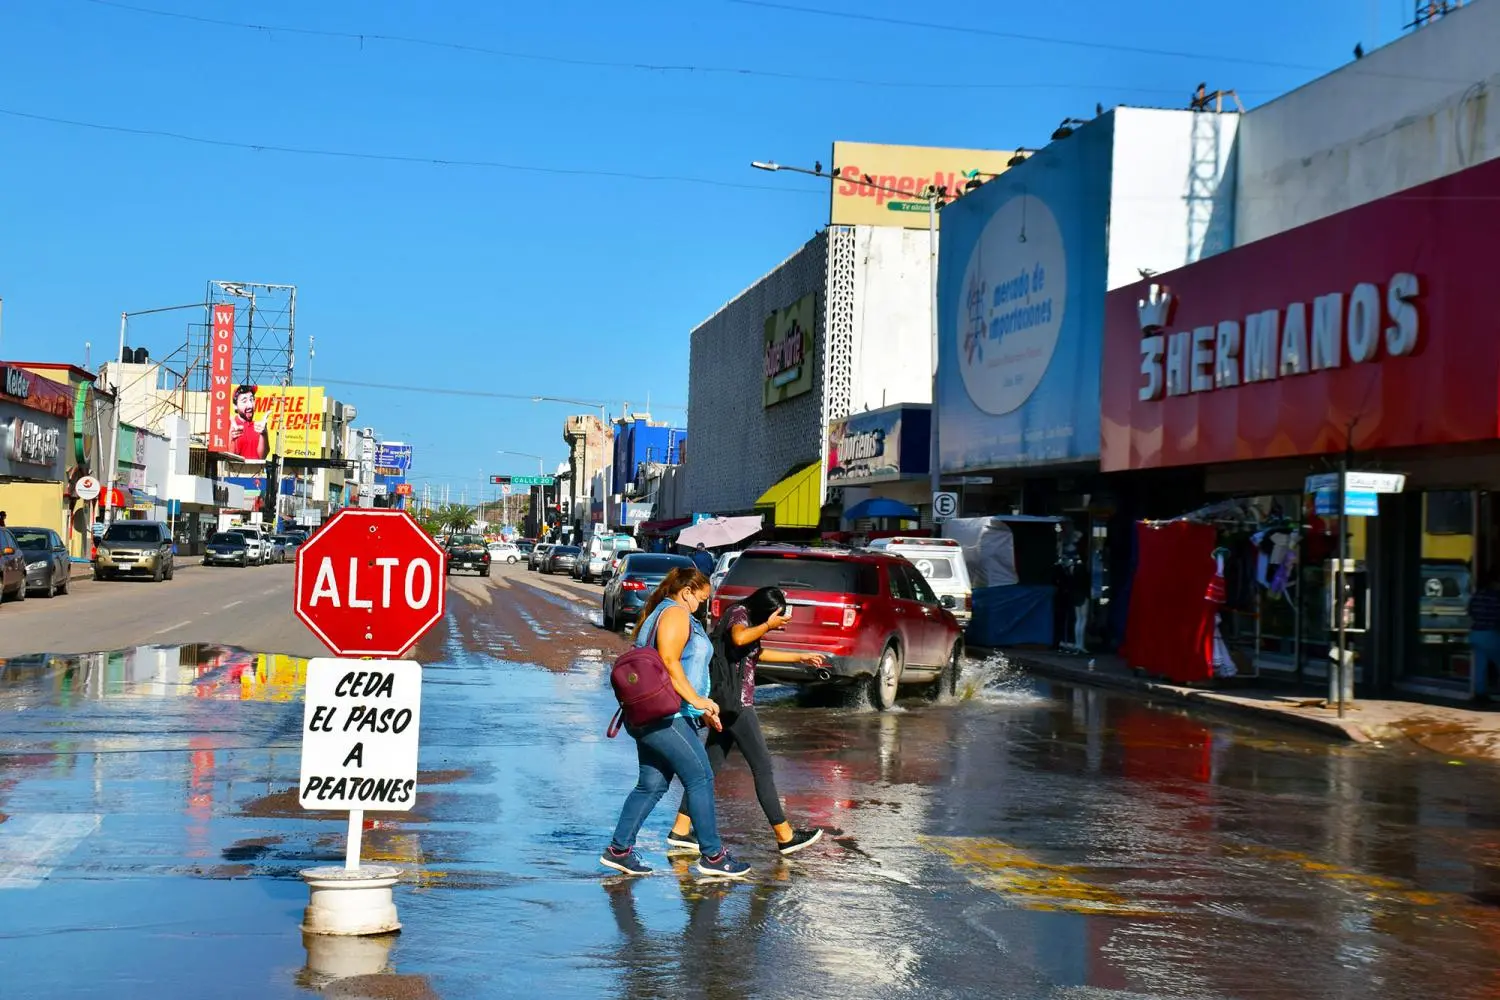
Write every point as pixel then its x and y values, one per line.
pixel 680 579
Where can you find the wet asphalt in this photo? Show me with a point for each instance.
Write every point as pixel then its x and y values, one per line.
pixel 1027 839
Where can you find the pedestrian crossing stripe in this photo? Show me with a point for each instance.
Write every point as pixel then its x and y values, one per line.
pixel 1036 885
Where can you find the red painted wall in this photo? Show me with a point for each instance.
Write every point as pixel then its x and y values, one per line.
pixel 1446 233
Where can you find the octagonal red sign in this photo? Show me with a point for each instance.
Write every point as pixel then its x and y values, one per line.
pixel 370 582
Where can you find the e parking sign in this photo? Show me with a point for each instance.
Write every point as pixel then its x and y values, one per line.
pixel 360 734
pixel 944 506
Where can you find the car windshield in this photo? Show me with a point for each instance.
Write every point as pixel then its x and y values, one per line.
pixel 132 533
pixel 31 539
pixel 803 572
pixel 465 540
pixel 566 550
pixel 227 538
pixel 655 564
pixel 286 539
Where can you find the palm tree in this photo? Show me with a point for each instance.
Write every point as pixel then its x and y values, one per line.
pixel 456 518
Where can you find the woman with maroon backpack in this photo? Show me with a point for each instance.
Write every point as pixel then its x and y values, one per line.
pixel 668 745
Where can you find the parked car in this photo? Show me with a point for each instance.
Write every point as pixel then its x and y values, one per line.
pixel 289 543
pixel 255 540
pixel 48 568
pixel 275 549
pixel 130 547
pixel 227 548
pixel 639 573
pixel 560 558
pixel 467 552
pixel 721 570
pixel 12 568
pixel 870 614
pixel 538 556
pixel 941 563
pixel 505 552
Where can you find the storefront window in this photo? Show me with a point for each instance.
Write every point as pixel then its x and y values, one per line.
pixel 1444 584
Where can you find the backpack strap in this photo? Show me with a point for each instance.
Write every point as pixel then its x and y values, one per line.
pixel 615 723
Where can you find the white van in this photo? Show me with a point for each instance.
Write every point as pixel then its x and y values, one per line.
pixel 599 552
pixel 941 563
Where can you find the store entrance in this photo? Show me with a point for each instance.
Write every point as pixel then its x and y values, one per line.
pixel 1448 531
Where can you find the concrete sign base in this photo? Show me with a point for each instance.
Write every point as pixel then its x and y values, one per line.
pixel 351 902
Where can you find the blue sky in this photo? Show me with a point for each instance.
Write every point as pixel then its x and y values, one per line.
pixel 480 278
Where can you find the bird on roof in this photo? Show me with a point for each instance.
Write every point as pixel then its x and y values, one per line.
pixel 1359 51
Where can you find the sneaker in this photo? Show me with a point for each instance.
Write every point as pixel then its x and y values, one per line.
pixel 626 862
pixel 684 841
pixel 800 839
pixel 722 866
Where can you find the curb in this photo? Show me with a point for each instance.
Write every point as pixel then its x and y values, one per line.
pixel 1344 730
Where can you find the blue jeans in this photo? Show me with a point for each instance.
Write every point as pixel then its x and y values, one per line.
pixel 1484 646
pixel 665 748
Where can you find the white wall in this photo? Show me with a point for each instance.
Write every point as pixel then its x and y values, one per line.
pixel 1172 190
pixel 1403 115
pixel 893 318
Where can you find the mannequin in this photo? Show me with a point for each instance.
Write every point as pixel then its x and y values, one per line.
pixel 1082 587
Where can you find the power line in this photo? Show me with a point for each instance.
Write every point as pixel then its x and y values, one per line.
pixel 361 38
pixel 529 397
pixel 967 29
pixel 423 159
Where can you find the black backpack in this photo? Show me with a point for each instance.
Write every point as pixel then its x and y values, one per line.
pixel 726 670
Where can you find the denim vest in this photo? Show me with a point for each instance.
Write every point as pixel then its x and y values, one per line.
pixel 695 655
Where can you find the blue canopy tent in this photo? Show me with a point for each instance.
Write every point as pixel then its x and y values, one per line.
pixel 876 507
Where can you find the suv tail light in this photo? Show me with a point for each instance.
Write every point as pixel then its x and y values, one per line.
pixel 632 585
pixel 851 616
pixel 967 603
pixel 714 609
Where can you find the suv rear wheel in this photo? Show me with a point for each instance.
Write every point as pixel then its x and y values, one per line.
pixel 946 686
pixel 887 680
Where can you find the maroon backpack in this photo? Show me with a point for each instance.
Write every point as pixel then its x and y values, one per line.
pixel 644 689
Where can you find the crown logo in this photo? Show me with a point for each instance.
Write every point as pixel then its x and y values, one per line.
pixel 1155 310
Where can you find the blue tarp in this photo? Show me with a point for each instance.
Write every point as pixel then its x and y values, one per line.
pixel 1017 615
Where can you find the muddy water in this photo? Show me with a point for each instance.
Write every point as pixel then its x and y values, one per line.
pixel 1025 839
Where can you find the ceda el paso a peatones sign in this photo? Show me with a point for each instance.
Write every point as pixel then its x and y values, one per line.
pixel 1375 324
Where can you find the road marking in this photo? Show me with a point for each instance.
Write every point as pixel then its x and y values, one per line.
pixel 1033 884
pixel 169 628
pixel 232 604
pixel 32 846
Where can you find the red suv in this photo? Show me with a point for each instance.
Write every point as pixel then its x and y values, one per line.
pixel 870 614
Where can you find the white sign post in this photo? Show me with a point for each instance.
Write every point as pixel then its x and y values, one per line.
pixel 361 725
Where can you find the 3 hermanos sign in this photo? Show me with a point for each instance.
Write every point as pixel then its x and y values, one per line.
pixel 909 170
pixel 1295 338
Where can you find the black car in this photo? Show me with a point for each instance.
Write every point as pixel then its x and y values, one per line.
pixel 48 568
pixel 226 548
pixel 561 558
pixel 626 592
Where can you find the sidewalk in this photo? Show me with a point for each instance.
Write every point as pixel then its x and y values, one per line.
pixel 1455 732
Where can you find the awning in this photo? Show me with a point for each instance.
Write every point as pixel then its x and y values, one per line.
pixel 113 496
pixel 796 501
pixel 876 507
pixel 718 532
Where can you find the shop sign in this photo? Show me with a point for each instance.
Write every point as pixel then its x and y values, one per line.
pixel 35 392
pixel 1296 339
pixel 867 447
pixel 788 351
pixel 1370 328
pixel 221 377
pixel 33 444
pixel 899 177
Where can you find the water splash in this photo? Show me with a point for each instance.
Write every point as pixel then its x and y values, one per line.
pixel 996 680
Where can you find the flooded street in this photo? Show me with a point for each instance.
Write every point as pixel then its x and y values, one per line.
pixel 1028 839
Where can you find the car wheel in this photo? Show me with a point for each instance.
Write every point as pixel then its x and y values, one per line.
pixel 156 574
pixel 21 591
pixel 50 591
pixel 62 588
pixel 611 624
pixel 887 680
pixel 511 560
pixel 171 569
pixel 946 686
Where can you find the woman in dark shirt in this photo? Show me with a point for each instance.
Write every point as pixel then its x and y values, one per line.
pixel 745 624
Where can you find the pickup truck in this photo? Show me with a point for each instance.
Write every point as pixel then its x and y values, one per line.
pixel 468 552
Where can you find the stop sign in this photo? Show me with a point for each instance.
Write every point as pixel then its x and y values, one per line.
pixel 370 583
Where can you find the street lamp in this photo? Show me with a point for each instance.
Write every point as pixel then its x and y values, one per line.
pixel 541 489
pixel 603 425
pixel 112 472
pixel 932 195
